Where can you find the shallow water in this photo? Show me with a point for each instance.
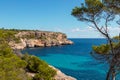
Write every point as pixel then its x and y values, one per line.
pixel 74 60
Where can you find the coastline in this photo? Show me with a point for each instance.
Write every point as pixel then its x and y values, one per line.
pixel 59 76
pixel 32 39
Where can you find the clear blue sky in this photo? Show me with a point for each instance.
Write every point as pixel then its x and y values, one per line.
pixel 48 15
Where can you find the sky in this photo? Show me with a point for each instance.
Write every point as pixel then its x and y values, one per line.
pixel 47 15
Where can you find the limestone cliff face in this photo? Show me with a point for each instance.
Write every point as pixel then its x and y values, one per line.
pixel 39 39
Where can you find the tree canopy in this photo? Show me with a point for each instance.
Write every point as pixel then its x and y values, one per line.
pixel 105 11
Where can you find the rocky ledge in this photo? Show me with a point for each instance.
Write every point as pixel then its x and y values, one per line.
pixel 61 76
pixel 39 39
pixel 58 76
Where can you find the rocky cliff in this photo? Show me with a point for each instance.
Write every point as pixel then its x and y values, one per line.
pixel 39 39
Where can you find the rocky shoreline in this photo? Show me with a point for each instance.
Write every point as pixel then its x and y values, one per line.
pixel 31 39
pixel 59 76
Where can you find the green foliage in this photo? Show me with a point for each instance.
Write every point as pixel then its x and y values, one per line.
pixel 5 50
pixel 29 36
pixel 105 12
pixel 42 76
pixel 11 66
pixel 116 37
pixel 103 49
pixel 33 64
pixel 43 38
pixel 8 35
pixel 92 8
pixel 40 67
pixel 113 5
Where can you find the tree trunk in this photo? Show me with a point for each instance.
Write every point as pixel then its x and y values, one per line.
pixel 113 78
pixel 113 75
pixel 109 74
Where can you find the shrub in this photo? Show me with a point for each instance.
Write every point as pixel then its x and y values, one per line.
pixel 34 64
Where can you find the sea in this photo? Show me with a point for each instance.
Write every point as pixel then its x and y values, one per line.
pixel 74 60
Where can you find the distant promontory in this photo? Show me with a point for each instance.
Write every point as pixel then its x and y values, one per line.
pixel 30 39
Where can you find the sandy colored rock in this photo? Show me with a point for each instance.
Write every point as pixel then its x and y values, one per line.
pixel 39 39
pixel 61 76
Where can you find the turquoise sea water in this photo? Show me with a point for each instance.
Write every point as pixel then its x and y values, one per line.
pixel 74 60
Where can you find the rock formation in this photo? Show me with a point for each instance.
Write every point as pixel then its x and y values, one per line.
pixel 39 39
pixel 59 76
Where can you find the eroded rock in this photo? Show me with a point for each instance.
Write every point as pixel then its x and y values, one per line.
pixel 39 39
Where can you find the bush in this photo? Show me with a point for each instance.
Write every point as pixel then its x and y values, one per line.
pixel 34 64
pixel 11 66
pixel 102 49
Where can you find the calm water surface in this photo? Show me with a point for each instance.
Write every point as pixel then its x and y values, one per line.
pixel 74 60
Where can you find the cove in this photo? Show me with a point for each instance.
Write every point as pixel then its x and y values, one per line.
pixel 74 60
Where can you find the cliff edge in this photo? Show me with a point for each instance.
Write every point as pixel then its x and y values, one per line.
pixel 39 39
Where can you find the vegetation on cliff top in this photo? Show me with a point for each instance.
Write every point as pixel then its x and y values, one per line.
pixel 14 67
pixel 9 34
